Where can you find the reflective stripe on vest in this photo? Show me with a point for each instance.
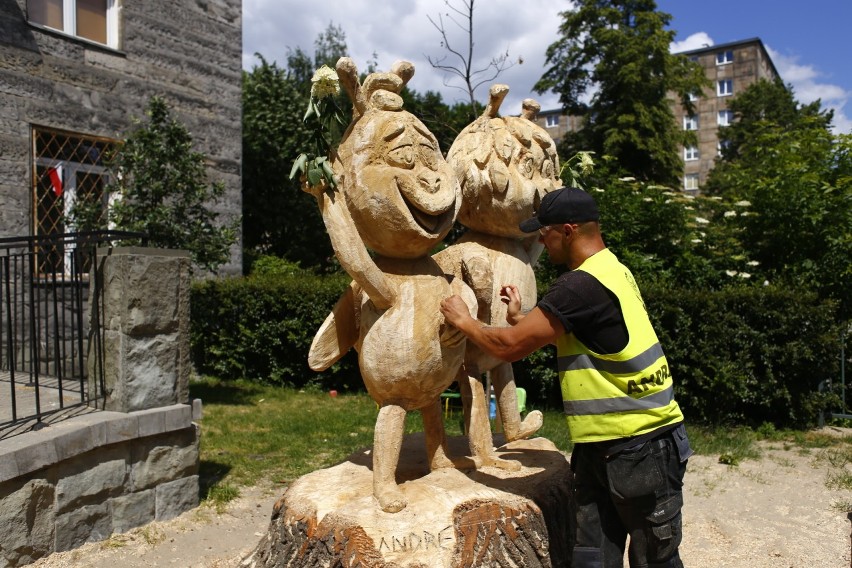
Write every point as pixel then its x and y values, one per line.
pixel 620 404
pixel 634 365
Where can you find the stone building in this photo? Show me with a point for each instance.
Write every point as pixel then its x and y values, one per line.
pixel 74 75
pixel 731 68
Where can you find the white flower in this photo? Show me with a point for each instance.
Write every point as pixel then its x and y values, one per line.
pixel 701 220
pixel 587 165
pixel 688 196
pixel 696 241
pixel 743 203
pixel 716 198
pixel 647 199
pixel 628 178
pixel 745 275
pixel 730 214
pixel 689 208
pixel 599 190
pixel 731 272
pixel 325 82
pixel 752 263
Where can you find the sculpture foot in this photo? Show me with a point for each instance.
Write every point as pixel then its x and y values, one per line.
pixel 531 424
pixel 508 465
pixel 441 461
pixel 390 499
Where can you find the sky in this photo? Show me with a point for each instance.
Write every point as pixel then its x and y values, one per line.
pixel 809 42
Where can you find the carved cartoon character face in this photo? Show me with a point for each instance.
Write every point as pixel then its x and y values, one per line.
pixel 401 192
pixel 506 165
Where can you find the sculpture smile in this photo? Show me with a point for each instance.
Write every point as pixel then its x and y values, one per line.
pixel 430 223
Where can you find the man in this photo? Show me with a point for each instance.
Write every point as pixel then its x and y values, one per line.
pixel 630 446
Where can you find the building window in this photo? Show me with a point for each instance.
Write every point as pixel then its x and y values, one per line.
pixel 725 117
pixel 725 88
pixel 690 182
pixel 693 97
pixel 690 153
pixel 551 120
pixel 69 172
pixel 724 57
pixel 94 20
pixel 690 123
pixel 721 146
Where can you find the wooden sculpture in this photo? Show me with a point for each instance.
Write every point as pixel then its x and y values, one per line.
pixel 505 166
pixel 397 196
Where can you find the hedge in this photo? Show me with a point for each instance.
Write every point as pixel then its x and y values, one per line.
pixel 745 355
pixel 261 328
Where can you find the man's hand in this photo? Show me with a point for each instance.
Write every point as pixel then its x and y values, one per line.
pixel 510 296
pixel 455 310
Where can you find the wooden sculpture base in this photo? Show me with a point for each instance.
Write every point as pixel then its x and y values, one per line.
pixel 489 517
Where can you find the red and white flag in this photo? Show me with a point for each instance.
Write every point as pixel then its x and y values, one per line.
pixel 55 174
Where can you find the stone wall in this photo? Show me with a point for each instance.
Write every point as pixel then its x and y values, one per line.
pixel 84 478
pixel 187 51
pixel 99 472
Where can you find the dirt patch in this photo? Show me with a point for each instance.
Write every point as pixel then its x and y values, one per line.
pixel 775 512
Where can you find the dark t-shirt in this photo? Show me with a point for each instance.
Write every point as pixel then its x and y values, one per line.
pixel 589 309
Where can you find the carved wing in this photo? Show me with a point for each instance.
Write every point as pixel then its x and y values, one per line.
pixel 338 333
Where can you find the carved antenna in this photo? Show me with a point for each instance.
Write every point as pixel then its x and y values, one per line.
pixel 530 109
pixel 347 72
pixel 496 94
pixel 404 70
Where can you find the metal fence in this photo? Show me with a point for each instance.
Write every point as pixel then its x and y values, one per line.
pixel 50 324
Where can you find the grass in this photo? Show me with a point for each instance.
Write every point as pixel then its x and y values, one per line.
pixel 254 433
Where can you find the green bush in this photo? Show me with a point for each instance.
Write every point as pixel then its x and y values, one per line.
pixel 748 355
pixel 260 328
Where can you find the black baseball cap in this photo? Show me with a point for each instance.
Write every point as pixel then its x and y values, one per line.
pixel 565 205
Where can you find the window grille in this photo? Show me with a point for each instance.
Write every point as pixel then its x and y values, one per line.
pixel 69 174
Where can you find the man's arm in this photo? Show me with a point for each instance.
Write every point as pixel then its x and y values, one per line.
pixel 535 330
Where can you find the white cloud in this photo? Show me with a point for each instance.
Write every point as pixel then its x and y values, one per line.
pixel 401 30
pixel 695 41
pixel 807 88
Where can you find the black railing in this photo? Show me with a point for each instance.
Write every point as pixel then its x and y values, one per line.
pixel 51 324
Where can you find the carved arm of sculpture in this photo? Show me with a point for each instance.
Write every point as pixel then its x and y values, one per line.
pixel 349 248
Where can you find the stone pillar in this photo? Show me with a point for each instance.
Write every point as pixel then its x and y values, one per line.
pixel 144 302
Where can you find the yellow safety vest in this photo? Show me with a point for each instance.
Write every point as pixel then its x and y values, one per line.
pixel 610 396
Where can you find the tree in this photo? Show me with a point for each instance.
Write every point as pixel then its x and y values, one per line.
pixel 278 218
pixel 612 67
pixel 463 68
pixel 796 177
pixel 159 187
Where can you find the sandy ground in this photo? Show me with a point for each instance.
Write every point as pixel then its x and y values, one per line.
pixel 776 512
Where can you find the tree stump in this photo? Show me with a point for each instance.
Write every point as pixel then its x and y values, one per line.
pixel 487 517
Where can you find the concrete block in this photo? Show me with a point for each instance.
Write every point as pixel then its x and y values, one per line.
pixel 176 497
pixel 151 422
pixel 26 518
pixel 83 482
pixel 39 453
pixel 197 409
pixel 177 417
pixel 91 523
pixel 71 439
pixel 164 458
pixel 134 510
pixel 122 427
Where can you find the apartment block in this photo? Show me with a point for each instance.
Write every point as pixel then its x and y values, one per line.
pixel 731 68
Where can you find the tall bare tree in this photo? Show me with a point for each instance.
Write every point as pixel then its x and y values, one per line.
pixel 460 61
